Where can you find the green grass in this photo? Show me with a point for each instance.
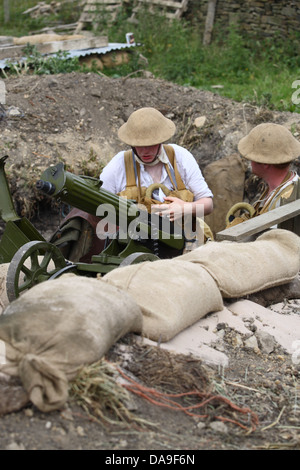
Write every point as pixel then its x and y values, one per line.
pixel 257 71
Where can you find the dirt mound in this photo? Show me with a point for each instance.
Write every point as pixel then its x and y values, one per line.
pixel 74 118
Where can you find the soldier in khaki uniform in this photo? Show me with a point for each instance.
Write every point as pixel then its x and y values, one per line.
pixel 271 148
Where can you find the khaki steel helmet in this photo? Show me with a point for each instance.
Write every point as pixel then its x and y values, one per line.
pixel 146 127
pixel 269 143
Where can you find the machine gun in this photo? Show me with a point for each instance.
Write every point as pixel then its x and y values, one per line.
pixel 140 236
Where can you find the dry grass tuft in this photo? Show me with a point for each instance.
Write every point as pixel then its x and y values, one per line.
pixel 98 389
pixel 157 367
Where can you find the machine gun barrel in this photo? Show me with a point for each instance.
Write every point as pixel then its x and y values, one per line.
pixel 82 192
pixel 85 193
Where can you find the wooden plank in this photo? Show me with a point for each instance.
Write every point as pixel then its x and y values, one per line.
pixel 163 3
pixel 11 52
pixel 6 41
pixel 94 7
pixel 292 224
pixel 181 9
pixel 260 223
pixel 103 2
pixel 59 27
pixel 169 8
pixel 95 10
pixel 103 5
pixel 31 10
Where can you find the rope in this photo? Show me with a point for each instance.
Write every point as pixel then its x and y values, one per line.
pixel 166 400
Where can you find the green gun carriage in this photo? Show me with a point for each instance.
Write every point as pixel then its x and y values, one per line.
pixel 32 259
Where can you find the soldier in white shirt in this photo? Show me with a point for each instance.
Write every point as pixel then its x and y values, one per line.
pixel 151 164
pixel 166 177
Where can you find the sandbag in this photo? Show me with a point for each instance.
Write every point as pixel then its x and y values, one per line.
pixel 172 295
pixel 226 179
pixel 240 269
pixel 58 326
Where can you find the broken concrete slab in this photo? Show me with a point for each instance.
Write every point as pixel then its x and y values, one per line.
pixel 194 341
pixel 284 327
pixel 202 340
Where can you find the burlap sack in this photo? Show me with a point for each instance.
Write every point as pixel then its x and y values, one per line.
pixel 226 179
pixel 240 269
pixel 58 326
pixel 171 294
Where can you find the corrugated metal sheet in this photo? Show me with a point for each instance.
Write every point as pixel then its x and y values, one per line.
pixel 113 46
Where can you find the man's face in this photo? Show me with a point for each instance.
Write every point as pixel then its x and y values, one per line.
pixel 258 169
pixel 147 154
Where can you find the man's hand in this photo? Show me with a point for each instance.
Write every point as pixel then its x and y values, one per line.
pixel 175 210
pixel 178 208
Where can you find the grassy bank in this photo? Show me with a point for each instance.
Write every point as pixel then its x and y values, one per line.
pixel 258 71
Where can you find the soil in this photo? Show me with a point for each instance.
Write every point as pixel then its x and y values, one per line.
pixel 74 118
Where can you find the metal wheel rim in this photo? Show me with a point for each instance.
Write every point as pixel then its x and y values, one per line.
pixel 21 277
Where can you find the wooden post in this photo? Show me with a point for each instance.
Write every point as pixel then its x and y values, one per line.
pixel 209 22
pixel 6 11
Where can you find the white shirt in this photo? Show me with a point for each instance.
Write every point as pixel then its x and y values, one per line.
pixel 113 175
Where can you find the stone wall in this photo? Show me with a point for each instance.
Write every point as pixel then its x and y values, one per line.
pixel 256 17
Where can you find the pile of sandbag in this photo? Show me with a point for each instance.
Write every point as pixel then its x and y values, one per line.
pixel 174 294
pixel 60 325
pixel 241 269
